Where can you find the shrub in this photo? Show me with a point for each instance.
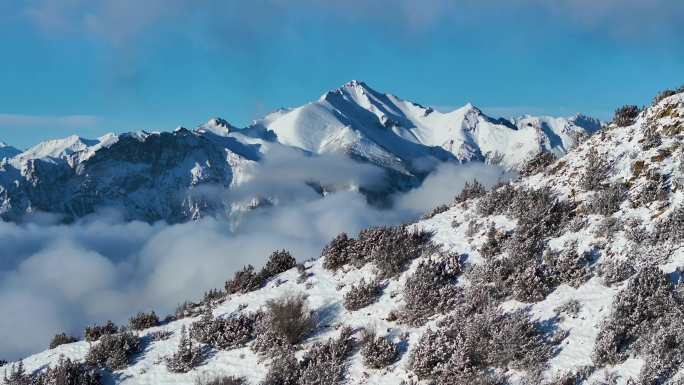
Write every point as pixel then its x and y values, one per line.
pixel 493 243
pixel 287 321
pixel 496 201
pixel 113 351
pixel 283 369
pixel 143 321
pixel 225 333
pixel 571 307
pixel 666 93
pixel 430 290
pixel 278 262
pixel 568 266
pixel 471 190
pixel 390 248
pixel 18 375
pixel 160 335
pixel 339 252
pixel 68 372
pixel 244 281
pixel 671 229
pixel 468 345
pixel 648 297
pixel 362 295
pixel 616 271
pixel 595 171
pixel 222 380
pixel 538 163
pixel 187 357
pixel 437 210
pixel 93 333
pixel 663 349
pixel 324 363
pixel 214 295
pixel 625 115
pixel 608 200
pixel 657 187
pixel 61 339
pixel 378 352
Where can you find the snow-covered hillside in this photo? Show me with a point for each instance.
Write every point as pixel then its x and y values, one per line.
pixel 157 176
pixel 571 275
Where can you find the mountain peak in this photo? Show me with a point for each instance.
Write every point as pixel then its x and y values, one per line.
pixel 217 125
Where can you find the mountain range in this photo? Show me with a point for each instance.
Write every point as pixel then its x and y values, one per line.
pixel 152 176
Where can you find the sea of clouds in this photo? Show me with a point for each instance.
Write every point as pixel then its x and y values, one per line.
pixel 58 277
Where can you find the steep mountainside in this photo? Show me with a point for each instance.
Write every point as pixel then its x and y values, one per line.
pixel 570 275
pixel 154 176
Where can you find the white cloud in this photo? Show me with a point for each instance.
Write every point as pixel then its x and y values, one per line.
pixel 57 277
pixel 66 121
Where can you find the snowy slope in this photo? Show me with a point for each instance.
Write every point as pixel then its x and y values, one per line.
pixel 462 230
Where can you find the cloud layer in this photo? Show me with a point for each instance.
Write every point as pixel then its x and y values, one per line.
pixel 56 277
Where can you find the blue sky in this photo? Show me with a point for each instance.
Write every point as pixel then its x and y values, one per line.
pixel 95 66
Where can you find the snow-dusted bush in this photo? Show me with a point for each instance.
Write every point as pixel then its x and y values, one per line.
pixel 225 333
pixel 596 171
pixel 431 289
pixel 471 190
pixel 279 261
pixel 493 243
pixel 302 275
pixel 143 321
pixel 657 188
pixel 18 376
pixel 663 348
pixel 324 363
pixel 66 372
pixel 652 137
pixel 607 200
pixel 496 201
pixel 187 357
pixel 93 333
pixel 625 115
pixel 283 368
pixel 467 345
pixel 244 281
pixel 362 294
pixel 160 335
pixel 393 248
pixel 213 295
pixel 608 227
pixel 538 163
pixel 286 321
pixel 648 297
pixel 568 266
pixel 339 252
pixel 671 229
pixel 571 307
pixel 378 352
pixel 221 380
pixel 666 93
pixel 437 210
pixel 113 351
pixel 61 339
pixel 3 363
pixel 390 248
pixel 615 271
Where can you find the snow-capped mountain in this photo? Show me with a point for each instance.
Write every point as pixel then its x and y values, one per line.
pixel 386 129
pixel 154 176
pixel 571 275
pixel 7 151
